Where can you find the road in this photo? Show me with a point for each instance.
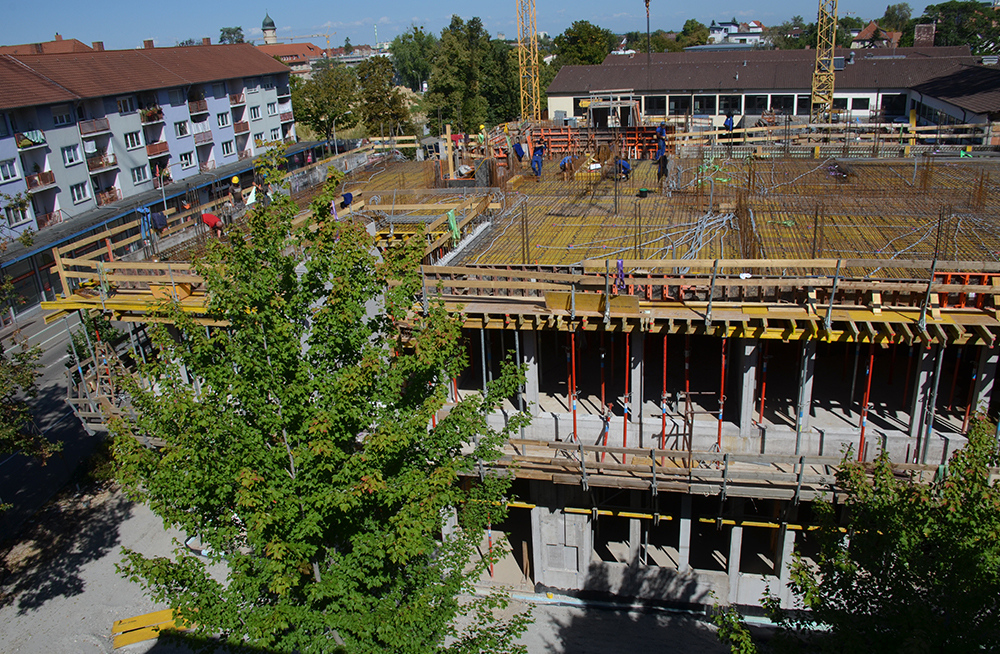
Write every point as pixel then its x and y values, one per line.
pixel 25 483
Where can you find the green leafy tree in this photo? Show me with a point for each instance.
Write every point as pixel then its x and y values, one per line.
pixel 919 566
pixel 413 55
pixel 187 42
pixel 231 35
pixel 327 99
pixel 348 48
pixel 583 43
pixel 305 460
pixel 501 85
pixel 896 17
pixel 964 23
pixel 382 106
pixel 455 90
pixel 693 33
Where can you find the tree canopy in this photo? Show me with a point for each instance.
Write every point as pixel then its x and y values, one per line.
pixel 381 105
pixel 455 88
pixel 964 23
pixel 917 570
pixel 231 35
pixel 583 43
pixel 326 100
pixel 412 54
pixel 304 458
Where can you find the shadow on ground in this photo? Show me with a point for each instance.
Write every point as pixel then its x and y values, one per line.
pixel 46 560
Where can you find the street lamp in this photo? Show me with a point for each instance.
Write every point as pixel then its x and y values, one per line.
pixel 335 152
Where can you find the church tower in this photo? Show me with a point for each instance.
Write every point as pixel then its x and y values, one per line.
pixel 270 32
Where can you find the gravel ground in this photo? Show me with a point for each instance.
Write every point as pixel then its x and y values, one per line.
pixel 60 592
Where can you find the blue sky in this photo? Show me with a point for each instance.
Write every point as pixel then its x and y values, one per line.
pixel 125 25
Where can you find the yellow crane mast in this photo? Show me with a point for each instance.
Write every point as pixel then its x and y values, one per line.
pixel 527 59
pixel 822 82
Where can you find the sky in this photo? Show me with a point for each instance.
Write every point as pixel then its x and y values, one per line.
pixel 122 26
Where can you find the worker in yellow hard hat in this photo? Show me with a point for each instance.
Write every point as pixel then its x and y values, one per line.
pixel 236 181
pixel 235 193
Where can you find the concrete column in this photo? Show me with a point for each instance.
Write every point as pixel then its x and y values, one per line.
pixel 634 530
pixel 921 389
pixel 749 358
pixel 635 385
pixel 986 374
pixel 787 545
pixel 684 544
pixel 735 548
pixel 806 375
pixel 529 354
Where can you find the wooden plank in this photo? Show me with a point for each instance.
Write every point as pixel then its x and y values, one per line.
pixel 144 620
pixel 562 301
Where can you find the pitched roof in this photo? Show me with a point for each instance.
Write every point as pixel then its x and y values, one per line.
pixel 96 74
pixel 60 46
pixel 762 70
pixel 298 52
pixel 973 88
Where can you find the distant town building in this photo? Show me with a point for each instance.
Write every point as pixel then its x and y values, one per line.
pixel 300 57
pixel 751 33
pixel 874 36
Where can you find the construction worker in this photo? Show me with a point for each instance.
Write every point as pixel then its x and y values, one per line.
pixel 566 163
pixel 536 160
pixel 623 168
pixel 214 223
pixel 728 123
pixel 661 139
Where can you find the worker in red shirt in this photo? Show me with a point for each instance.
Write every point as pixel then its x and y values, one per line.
pixel 214 223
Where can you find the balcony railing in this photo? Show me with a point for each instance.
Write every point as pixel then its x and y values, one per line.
pixel 95 126
pixel 207 166
pixel 40 180
pixel 203 137
pixel 152 115
pixel 28 140
pixel 161 181
pixel 49 219
pixel 156 149
pixel 101 161
pixel 286 117
pixel 245 154
pixel 236 99
pixel 241 127
pixel 198 106
pixel 109 196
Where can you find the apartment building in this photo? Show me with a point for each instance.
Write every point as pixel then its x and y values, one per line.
pixel 87 129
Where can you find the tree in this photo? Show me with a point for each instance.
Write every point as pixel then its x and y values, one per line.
pixel 455 89
pixel 413 56
pixel 326 100
pixel 582 44
pixel 305 460
pixel 919 566
pixel 231 35
pixel 693 33
pixel 348 48
pixel 382 107
pixel 896 17
pixel 964 23
pixel 187 42
pixel 501 85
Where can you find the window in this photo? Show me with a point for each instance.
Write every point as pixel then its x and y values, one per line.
pixel 272 108
pixel 181 128
pixel 258 137
pixel 803 105
pixel 187 159
pixel 840 103
pixel 656 105
pixel 61 115
pixel 731 104
pixel 268 82
pixel 176 97
pixel 219 89
pixel 755 105
pixel 3 125
pixel 227 148
pixel 252 84
pixel 71 154
pixel 276 134
pixel 8 170
pixel 79 192
pixel 254 113
pixel 140 174
pixel 704 105
pixel 16 216
pixel 860 104
pixel 126 105
pixel 132 140
pixel 223 119
pixel 680 105
pixel 785 104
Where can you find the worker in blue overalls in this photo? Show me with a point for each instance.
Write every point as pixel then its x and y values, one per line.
pixel 661 140
pixel 536 160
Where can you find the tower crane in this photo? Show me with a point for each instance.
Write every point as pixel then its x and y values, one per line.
pixel 527 60
pixel 822 81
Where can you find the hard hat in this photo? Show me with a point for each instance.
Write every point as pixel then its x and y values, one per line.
pixel 482 127
pixel 236 180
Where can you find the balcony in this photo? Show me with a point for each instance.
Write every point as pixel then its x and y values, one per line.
pixel 157 149
pixel 161 181
pixel 95 126
pixel 29 140
pixel 283 92
pixel 198 106
pixel 49 219
pixel 245 154
pixel 237 99
pixel 200 138
pixel 241 127
pixel 207 166
pixel 152 115
pixel 109 196
pixel 101 161
pixel 286 117
pixel 40 181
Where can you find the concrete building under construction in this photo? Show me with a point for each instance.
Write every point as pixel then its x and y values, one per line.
pixel 704 341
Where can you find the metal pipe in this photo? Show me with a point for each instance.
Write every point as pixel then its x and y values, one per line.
pixel 931 405
pixel 628 371
pixel 663 396
pixel 800 408
pixel 722 394
pixel 763 386
pixel 572 351
pixel 603 395
pixel 864 404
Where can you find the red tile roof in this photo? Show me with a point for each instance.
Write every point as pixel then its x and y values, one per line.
pixel 96 74
pixel 62 46
pixel 299 52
